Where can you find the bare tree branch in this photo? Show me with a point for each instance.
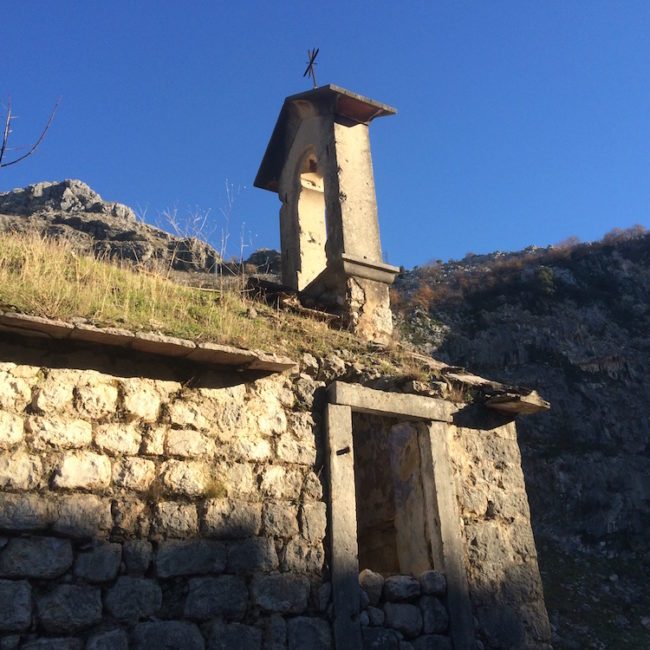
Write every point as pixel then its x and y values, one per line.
pixel 7 132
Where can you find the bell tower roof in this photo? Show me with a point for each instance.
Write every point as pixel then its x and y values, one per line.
pixel 329 99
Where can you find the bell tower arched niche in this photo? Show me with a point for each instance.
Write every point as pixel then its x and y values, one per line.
pixel 310 218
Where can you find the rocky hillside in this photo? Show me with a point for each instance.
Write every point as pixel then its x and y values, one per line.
pixel 71 209
pixel 574 323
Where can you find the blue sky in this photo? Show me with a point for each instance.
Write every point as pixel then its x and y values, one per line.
pixel 518 122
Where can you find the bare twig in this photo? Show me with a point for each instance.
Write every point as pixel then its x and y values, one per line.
pixel 7 132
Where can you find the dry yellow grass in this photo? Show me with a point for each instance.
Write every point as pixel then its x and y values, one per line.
pixel 46 277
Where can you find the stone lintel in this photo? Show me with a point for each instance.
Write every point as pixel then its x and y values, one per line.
pixel 518 404
pixel 147 342
pixel 379 402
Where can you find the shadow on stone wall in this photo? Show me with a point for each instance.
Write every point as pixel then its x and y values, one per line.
pixel 234 589
pixel 119 362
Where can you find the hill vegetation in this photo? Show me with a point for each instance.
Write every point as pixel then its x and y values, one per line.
pixel 573 322
pixel 48 277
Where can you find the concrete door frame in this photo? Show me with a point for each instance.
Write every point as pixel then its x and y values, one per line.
pixel 443 517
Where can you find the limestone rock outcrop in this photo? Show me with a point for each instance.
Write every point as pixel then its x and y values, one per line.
pixel 73 210
pixel 572 323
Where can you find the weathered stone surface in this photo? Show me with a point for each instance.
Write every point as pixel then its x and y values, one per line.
pixel 68 608
pixel 171 635
pixel 300 557
pixel 188 443
pixel 83 469
pixel 275 633
pixel 376 616
pixel 9 642
pixel 280 519
pixel 324 596
pixel 96 400
pixel 58 432
pixel 133 473
pixel 224 596
pixel 234 636
pixel 15 605
pixel 433 583
pixel 373 584
pixel 298 445
pixel 364 601
pixel 433 642
pixel 35 557
pixel 175 519
pixel 230 420
pixel 118 438
pixel 111 640
pixel 306 389
pixel 15 392
pixel 398 588
pixel 131 517
pixel 20 471
pixel 189 478
pixel 11 430
pixel 83 515
pixel 313 521
pixel 278 482
pixel 55 394
pixel 231 518
pixel 308 632
pixel 378 638
pixel 188 414
pixel 153 440
pixel 100 564
pixel 24 511
pixel 140 399
pixel 435 619
pixel 190 557
pixel 404 618
pixel 252 447
pixel 251 555
pixel 282 593
pixel 137 554
pixel 238 478
pixel 131 599
pixel 55 643
pixel 312 489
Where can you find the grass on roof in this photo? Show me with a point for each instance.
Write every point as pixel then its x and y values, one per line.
pixel 46 277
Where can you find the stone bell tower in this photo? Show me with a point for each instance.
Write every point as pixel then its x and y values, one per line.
pixel 318 161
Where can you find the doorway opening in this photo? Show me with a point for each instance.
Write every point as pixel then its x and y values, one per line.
pixel 391 508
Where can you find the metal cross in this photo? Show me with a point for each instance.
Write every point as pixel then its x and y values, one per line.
pixel 311 55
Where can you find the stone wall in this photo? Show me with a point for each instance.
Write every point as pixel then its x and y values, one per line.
pixel 146 501
pixel 404 612
pixel 504 580
pixel 146 504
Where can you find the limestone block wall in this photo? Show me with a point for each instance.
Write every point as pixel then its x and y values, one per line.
pixel 145 504
pixel 501 558
pixel 402 611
